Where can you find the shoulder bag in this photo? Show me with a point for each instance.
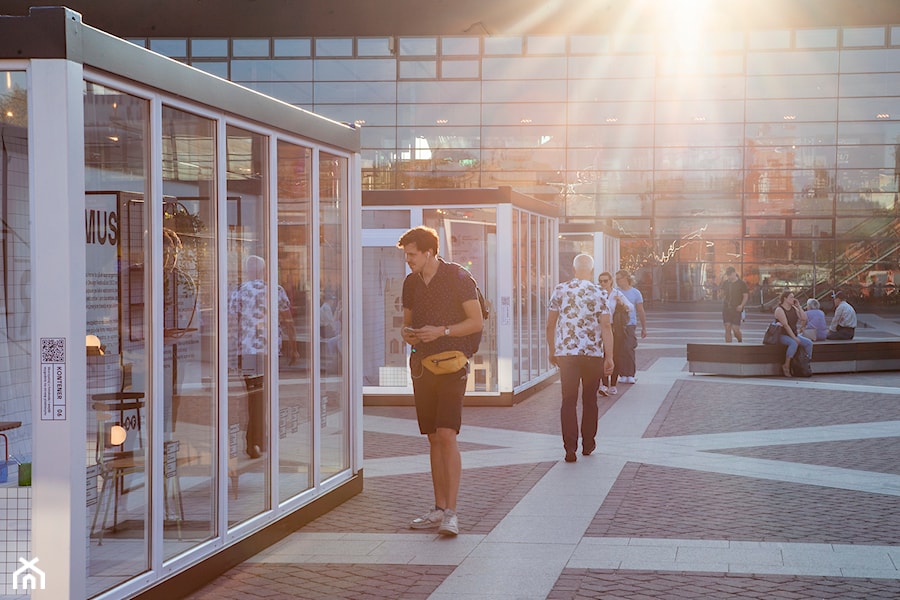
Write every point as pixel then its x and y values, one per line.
pixel 773 333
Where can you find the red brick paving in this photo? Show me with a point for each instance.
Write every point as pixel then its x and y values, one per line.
pixel 582 584
pixel 663 502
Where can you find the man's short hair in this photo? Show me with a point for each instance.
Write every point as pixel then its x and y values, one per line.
pixel 729 270
pixel 425 238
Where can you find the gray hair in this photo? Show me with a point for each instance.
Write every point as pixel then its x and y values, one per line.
pixel 812 303
pixel 583 262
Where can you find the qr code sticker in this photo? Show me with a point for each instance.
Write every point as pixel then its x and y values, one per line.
pixel 53 350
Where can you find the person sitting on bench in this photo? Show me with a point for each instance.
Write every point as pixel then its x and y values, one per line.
pixel 843 324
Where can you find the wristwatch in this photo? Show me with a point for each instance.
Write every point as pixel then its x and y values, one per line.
pixel 447 331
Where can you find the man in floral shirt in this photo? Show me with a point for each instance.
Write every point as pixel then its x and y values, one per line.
pixel 578 328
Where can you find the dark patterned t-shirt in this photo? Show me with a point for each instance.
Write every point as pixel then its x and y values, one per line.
pixel 439 302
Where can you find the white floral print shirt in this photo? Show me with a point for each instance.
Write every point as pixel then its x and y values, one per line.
pixel 580 304
pixel 247 311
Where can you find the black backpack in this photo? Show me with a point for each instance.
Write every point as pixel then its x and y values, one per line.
pixel 800 364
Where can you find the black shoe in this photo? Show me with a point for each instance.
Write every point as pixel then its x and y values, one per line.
pixel 571 457
pixel 253 452
pixel 587 452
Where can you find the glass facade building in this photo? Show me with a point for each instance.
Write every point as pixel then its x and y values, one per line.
pixel 773 150
pixel 165 390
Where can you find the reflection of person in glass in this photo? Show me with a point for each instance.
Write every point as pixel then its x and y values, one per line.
pixel 247 308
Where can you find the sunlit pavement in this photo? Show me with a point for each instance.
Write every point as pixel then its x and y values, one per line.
pixel 701 487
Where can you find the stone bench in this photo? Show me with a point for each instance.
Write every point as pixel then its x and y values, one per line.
pixel 747 360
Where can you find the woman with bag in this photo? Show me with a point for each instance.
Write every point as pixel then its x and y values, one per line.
pixel 790 315
pixel 620 308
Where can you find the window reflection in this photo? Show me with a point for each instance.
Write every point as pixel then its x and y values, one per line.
pixel 333 390
pixel 294 276
pixel 118 284
pixel 189 328
pixel 249 390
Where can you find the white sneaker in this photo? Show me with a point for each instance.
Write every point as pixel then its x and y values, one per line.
pixel 430 519
pixel 613 390
pixel 449 524
pixel 603 390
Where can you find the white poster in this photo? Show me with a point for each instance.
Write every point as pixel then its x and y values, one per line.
pixel 102 234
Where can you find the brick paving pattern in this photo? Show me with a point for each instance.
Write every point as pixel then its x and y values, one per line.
pixel 646 500
pixel 649 501
pixel 583 584
pixel 319 581
pixel 387 504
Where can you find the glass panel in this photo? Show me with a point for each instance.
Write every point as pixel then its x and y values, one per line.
pixel 793 63
pixel 522 91
pixel 589 67
pixel 531 68
pixel 171 48
pixel 869 61
pixel 295 473
pixel 863 36
pixel 503 44
pixel 361 69
pixel 869 84
pixel 416 46
pixel 209 48
pixel 219 69
pixel 816 38
pixel 333 392
pixel 869 109
pixel 287 47
pixel 536 342
pixel 770 40
pixel 385 219
pixel 118 383
pixel 190 394
pixel 611 90
pixel 293 92
pixel 271 70
pixel 459 46
pixel 516 299
pixel 418 69
pixel 469 237
pixel 588 44
pixel 431 114
pixel 611 136
pixel 15 327
pixel 373 46
pixel 777 111
pixel 546 44
pixel 363 92
pixel 523 114
pixel 250 47
pixel 334 47
pixel 610 113
pixel 441 92
pixel 460 69
pixel 248 324
pixel 384 353
pixel 698 134
pixel 792 86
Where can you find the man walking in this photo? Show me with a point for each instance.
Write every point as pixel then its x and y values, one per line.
pixel 441 312
pixel 578 329
pixel 626 367
pixel 734 298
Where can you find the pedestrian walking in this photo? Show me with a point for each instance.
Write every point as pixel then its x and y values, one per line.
pixel 442 321
pixel 578 330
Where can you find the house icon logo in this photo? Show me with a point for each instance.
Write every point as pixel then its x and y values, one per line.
pixel 28 576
